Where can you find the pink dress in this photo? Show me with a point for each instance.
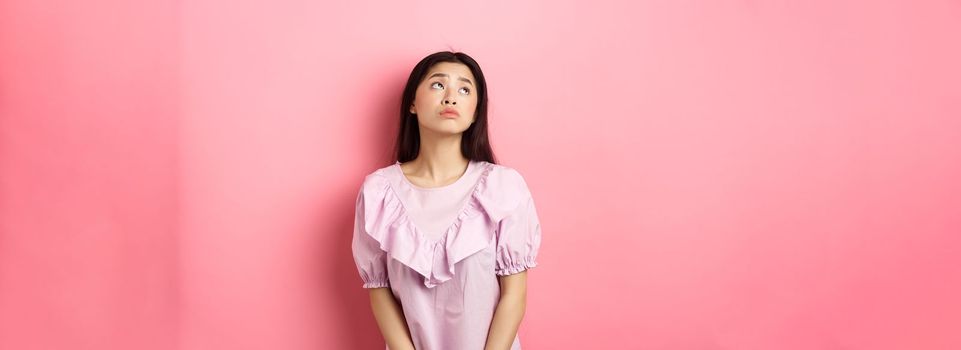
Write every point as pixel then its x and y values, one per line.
pixel 441 249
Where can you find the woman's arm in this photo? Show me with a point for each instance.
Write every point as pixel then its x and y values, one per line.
pixel 390 319
pixel 509 312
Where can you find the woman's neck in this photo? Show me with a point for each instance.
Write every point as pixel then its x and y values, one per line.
pixel 439 159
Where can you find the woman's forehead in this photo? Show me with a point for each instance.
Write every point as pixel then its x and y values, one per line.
pixel 450 70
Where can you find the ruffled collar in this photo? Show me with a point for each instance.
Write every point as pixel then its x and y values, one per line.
pixel 388 222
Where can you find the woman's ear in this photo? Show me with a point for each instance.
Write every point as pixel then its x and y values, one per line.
pixel 412 111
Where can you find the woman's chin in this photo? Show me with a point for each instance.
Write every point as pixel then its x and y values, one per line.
pixel 448 129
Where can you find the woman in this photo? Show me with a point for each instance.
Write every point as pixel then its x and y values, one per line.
pixel 443 237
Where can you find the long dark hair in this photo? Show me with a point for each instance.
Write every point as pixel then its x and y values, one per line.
pixel 475 144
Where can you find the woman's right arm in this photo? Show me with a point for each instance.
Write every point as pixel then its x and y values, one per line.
pixel 390 319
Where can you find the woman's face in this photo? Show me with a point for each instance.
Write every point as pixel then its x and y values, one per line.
pixel 447 87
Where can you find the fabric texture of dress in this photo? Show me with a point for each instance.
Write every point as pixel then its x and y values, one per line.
pixel 440 249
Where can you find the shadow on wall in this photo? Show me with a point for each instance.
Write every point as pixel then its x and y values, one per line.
pixel 352 304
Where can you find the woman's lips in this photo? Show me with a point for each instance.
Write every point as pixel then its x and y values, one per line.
pixel 450 114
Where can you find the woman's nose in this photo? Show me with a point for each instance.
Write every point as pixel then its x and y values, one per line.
pixel 450 101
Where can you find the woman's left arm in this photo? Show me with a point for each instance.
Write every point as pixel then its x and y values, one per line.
pixel 509 312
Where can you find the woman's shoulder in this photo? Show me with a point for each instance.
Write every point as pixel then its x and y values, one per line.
pixel 506 178
pixel 502 190
pixel 375 182
pixel 380 174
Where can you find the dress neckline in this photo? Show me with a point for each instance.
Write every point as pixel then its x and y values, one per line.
pixel 467 209
pixel 471 164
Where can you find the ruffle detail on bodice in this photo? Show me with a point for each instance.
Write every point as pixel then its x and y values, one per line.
pixel 388 222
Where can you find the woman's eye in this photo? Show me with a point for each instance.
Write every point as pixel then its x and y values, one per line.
pixel 436 83
pixel 466 90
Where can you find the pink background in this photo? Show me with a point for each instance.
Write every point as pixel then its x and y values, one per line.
pixel 710 174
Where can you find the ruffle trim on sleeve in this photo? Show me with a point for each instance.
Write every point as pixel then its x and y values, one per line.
pixel 387 221
pixel 377 284
pixel 517 267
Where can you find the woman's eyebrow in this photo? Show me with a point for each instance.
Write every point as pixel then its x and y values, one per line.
pixel 445 76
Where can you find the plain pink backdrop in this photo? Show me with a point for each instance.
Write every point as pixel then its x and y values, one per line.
pixel 709 174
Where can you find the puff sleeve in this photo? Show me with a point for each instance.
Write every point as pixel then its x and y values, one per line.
pixel 371 261
pixel 518 238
